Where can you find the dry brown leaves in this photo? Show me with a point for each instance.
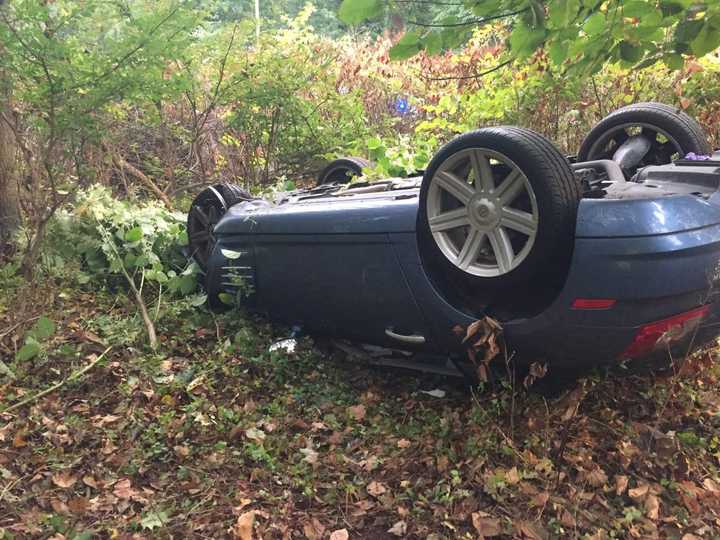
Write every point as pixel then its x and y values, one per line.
pixel 483 341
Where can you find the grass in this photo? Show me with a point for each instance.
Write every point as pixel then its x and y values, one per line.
pixel 188 441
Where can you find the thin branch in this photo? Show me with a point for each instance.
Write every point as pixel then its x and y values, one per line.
pixel 137 294
pixel 54 387
pixel 471 22
pixel 221 76
pixel 119 63
pixel 466 77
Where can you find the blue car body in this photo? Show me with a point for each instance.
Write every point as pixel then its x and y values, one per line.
pixel 349 264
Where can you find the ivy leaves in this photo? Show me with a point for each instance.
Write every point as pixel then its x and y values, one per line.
pixel 578 35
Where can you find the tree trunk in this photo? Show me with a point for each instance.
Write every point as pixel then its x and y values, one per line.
pixel 9 196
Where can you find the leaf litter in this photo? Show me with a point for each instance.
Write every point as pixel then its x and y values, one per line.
pixel 220 438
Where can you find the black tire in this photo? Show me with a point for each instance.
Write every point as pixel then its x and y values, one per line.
pixel 557 193
pixel 669 121
pixel 206 210
pixel 342 170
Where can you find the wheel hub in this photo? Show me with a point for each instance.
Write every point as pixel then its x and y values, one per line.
pixel 484 212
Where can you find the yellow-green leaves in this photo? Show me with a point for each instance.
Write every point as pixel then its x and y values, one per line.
pixel 409 45
pixel 524 40
pixel 134 235
pixel 707 40
pixel 580 34
pixel 357 11
pixel 561 13
pixel 595 24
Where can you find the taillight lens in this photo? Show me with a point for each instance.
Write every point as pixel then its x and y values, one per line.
pixel 663 333
pixel 593 303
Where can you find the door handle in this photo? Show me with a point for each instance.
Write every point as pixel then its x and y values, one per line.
pixel 417 340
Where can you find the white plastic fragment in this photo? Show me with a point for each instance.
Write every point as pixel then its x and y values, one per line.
pixel 434 393
pixel 287 345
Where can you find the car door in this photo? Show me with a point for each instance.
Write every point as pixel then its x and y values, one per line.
pixel 346 285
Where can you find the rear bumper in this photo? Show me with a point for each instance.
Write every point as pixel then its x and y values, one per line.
pixel 651 276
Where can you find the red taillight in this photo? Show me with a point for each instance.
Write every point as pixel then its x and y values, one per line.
pixel 593 303
pixel 664 333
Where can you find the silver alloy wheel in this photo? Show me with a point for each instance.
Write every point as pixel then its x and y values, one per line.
pixel 619 134
pixel 482 212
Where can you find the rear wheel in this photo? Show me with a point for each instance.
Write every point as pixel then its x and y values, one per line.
pixel 671 135
pixel 497 206
pixel 341 171
pixel 205 212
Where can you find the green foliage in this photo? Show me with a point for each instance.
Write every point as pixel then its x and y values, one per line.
pixel 358 11
pixel 284 105
pixel 67 61
pixel 103 238
pixel 398 156
pixel 580 36
pixel 36 339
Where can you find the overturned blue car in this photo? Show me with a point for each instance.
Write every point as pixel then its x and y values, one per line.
pixel 609 255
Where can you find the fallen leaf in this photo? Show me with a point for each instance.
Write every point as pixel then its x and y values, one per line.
pixel 376 488
pixel 399 529
pixel 59 507
pixel 512 477
pixel 102 421
pixel 403 443
pixel 123 489
pixel 311 456
pixel 244 501
pixel 78 505
pixel 89 481
pixel 255 434
pixel 540 499
pixel 340 534
pixel 243 528
pixel 690 502
pixel 485 525
pixel 597 477
pixel 639 492
pixel 534 531
pixel 571 402
pixel 621 483
pixel 652 507
pixel 357 412
pixel 19 439
pixel 567 519
pixel 64 479
pixel 314 530
pixel 712 486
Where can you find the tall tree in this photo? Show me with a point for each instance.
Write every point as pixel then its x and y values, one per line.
pixel 69 63
pixel 9 203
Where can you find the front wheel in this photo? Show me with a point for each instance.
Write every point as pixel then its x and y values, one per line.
pixel 497 206
pixel 205 212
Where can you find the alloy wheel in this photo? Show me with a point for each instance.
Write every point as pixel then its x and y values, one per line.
pixel 482 212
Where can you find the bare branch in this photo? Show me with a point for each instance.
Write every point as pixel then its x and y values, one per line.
pixel 466 77
pixel 472 22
